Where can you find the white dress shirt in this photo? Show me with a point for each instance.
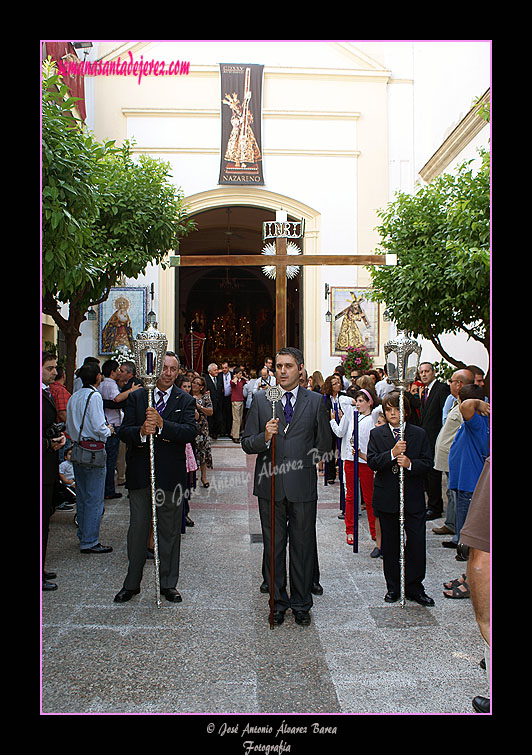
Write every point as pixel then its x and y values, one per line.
pixel 94 426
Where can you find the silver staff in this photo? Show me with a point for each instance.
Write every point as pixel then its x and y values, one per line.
pixel 273 394
pixel 402 359
pixel 150 349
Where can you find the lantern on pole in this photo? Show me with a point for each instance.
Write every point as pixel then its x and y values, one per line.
pixel 402 359
pixel 149 348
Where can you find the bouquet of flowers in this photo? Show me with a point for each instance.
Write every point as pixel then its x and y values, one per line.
pixel 357 358
pixel 123 354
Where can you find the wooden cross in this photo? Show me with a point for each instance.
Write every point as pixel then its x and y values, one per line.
pixel 281 229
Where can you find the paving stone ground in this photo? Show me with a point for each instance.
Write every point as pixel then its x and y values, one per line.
pixel 215 656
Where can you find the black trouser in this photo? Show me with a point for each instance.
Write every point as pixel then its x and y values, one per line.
pixel 295 528
pixel 48 492
pixel 227 416
pixel 169 517
pixel 415 551
pixel 433 482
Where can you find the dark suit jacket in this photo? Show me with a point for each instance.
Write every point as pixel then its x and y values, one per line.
pixel 215 392
pixel 297 451
pixel 386 483
pixel 179 428
pixel 430 414
pixel 50 459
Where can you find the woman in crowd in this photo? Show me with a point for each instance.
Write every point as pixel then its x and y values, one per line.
pixel 331 390
pixel 316 381
pixel 368 407
pixel 203 441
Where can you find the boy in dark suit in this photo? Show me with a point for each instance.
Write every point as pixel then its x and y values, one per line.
pixel 385 454
pixel 173 424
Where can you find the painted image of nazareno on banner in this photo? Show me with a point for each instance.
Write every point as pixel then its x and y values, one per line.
pixel 241 119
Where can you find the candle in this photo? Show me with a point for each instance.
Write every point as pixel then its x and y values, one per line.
pixel 149 362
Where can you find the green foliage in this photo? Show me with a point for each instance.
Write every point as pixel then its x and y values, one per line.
pixel 441 237
pixel 103 214
pixel 443 370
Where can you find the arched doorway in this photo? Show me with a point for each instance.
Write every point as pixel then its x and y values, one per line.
pixel 232 308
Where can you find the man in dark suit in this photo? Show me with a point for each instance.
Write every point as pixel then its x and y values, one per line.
pixel 52 441
pixel 433 396
pixel 301 429
pixel 227 412
pixel 385 454
pixel 172 422
pixel 215 386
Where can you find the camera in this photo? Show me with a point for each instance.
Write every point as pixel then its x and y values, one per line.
pixel 54 430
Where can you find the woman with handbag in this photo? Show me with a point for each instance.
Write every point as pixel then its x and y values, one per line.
pixel 88 429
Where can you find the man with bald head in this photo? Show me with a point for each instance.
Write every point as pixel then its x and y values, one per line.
pixel 451 422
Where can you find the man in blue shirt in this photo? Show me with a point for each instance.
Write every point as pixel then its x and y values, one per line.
pixel 469 450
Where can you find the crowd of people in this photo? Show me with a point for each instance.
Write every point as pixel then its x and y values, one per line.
pixel 443 448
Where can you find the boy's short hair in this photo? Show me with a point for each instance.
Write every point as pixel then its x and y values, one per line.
pixel 471 391
pixel 392 399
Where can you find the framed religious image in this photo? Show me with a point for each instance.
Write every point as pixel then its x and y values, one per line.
pixel 355 320
pixel 121 317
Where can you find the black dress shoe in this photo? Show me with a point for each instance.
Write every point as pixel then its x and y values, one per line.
pixel 264 588
pixel 423 599
pixel 48 575
pixel 278 618
pixel 188 522
pixel 171 594
pixel 391 597
pixel 316 589
pixel 302 618
pixel 481 704
pixel 98 548
pixel 48 586
pixel 430 514
pixel 449 544
pixel 124 595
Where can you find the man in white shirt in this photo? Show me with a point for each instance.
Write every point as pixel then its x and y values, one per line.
pixel 383 387
pixel 227 411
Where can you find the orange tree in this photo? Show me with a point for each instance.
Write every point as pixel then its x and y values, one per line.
pixel 441 236
pixel 104 215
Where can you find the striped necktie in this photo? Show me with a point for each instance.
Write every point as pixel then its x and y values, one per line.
pixel 396 432
pixel 288 410
pixel 160 402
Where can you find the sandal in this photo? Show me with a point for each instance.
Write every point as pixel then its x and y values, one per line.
pixel 205 484
pixel 457 592
pixel 460 581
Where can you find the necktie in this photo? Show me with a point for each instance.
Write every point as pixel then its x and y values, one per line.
pixel 160 402
pixel 288 411
pixel 49 394
pixel 425 395
pixel 396 432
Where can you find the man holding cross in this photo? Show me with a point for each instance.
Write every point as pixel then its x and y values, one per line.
pixel 302 437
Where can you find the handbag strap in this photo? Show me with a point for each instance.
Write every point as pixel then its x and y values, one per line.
pixel 85 412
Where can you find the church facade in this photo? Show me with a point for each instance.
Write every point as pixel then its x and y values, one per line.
pixel 322 132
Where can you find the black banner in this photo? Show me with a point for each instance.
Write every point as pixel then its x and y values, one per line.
pixel 241 118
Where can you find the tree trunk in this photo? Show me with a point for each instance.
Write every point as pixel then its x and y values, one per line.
pixel 70 330
pixel 71 338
